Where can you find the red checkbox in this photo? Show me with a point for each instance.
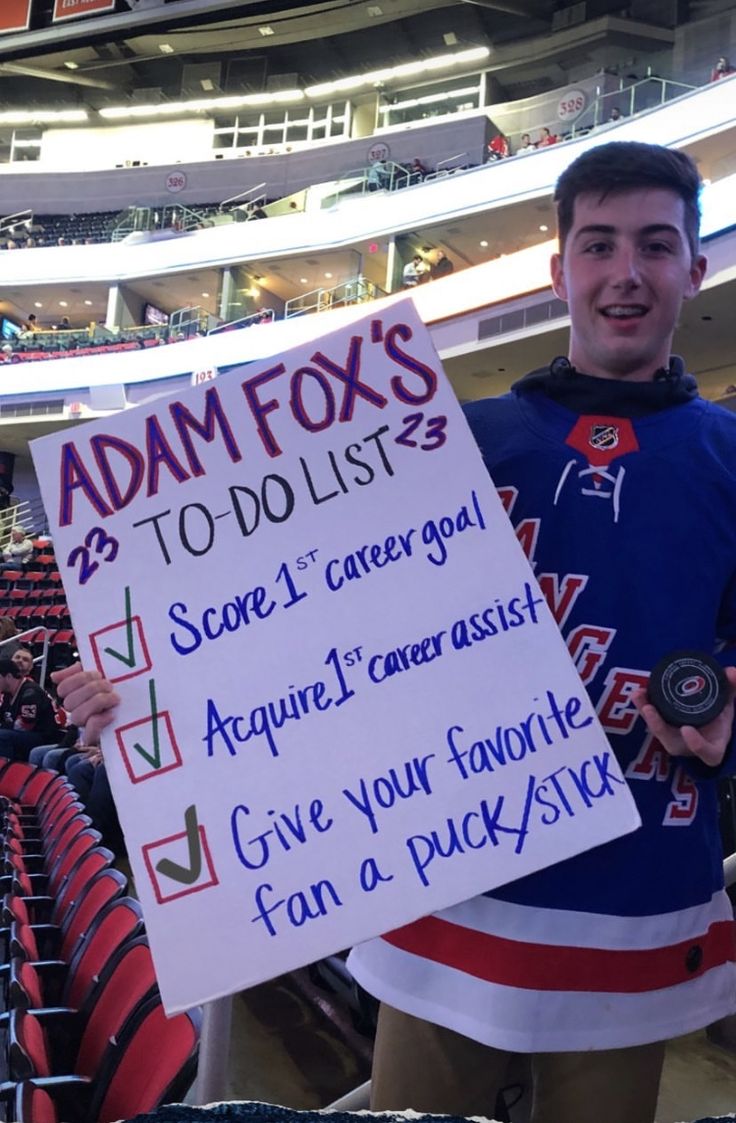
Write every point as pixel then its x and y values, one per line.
pixel 140 763
pixel 174 892
pixel 115 636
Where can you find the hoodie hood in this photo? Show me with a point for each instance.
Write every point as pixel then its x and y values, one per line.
pixel 612 397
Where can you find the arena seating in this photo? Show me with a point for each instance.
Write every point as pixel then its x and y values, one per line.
pixel 84 1034
pixel 34 598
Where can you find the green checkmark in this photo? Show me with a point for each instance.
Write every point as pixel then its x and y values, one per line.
pixel 129 658
pixel 154 759
pixel 186 875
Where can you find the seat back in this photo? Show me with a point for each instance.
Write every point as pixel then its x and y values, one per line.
pixel 153 1062
pixel 25 988
pixel 105 886
pixel 24 782
pixel 67 834
pixel 83 841
pixel 21 878
pixel 99 858
pixel 117 923
pixel 53 824
pixel 57 796
pixel 127 980
pixel 23 941
pixel 28 1049
pixel 34 1105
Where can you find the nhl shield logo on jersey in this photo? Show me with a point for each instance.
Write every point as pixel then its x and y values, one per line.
pixel 603 436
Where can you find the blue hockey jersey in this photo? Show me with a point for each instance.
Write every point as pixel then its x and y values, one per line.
pixel 630 524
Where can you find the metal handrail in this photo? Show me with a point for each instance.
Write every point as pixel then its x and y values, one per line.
pixel 625 97
pixel 265 316
pixel 243 194
pixel 20 218
pixel 15 514
pixel 353 291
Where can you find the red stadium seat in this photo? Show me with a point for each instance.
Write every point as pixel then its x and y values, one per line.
pixel 64 636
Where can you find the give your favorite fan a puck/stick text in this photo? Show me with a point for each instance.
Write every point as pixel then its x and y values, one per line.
pixel 688 688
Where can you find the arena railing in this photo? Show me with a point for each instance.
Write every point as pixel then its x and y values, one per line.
pixel 356 290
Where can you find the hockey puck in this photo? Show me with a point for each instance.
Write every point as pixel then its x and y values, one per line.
pixel 688 688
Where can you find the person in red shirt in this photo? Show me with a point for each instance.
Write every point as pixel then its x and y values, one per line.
pixel 546 139
pixel 498 147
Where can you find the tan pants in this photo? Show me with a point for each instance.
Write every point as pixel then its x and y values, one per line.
pixel 431 1069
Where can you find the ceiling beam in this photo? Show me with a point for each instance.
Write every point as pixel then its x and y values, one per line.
pixel 513 7
pixel 69 77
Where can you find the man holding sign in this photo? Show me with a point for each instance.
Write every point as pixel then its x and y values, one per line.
pixel 590 963
pixel 616 476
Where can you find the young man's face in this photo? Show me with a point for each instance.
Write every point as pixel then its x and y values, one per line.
pixel 625 271
pixel 23 661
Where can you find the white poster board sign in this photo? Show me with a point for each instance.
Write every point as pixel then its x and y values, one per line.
pixel 345 703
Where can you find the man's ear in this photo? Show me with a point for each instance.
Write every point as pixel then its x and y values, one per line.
pixel 697 275
pixel 557 272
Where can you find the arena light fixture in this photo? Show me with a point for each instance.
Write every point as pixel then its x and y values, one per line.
pixel 200 105
pixel 397 73
pixel 43 116
pixel 429 99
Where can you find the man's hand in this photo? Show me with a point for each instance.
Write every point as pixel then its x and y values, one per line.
pixel 708 743
pixel 88 699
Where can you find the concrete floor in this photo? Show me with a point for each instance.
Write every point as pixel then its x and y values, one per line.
pixel 293 1045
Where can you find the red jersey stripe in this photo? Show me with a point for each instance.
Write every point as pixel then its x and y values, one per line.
pixel 543 967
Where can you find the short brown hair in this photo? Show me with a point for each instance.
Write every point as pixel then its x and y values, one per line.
pixel 625 166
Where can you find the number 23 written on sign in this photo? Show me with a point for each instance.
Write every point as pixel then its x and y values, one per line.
pixel 96 542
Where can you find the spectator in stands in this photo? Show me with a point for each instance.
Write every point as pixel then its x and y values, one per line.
pixel 498 147
pixel 23 659
pixel 526 145
pixel 616 114
pixel 27 716
pixel 377 175
pixel 18 551
pixel 7 631
pixel 87 773
pixel 441 267
pixel 722 69
pixel 415 271
pixel 31 323
pixel 64 324
pixel 547 138
pixel 417 171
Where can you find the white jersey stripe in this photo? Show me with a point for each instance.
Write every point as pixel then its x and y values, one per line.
pixel 532 1021
pixel 586 929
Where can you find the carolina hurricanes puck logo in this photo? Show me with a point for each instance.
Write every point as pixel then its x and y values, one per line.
pixel 690 686
pixel 603 436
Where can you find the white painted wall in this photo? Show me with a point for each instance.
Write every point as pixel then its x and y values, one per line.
pixel 161 142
